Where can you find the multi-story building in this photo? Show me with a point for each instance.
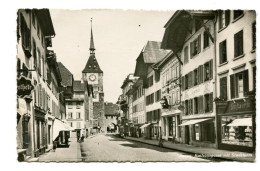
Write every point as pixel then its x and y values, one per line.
pixel 217 53
pixel 75 109
pixel 151 54
pixel 36 63
pixel 138 111
pixel 170 74
pixel 125 105
pixel 236 79
pixel 190 35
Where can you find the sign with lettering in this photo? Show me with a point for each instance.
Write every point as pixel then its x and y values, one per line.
pixel 24 86
pixel 234 106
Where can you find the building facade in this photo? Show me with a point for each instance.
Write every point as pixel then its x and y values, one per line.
pixel 75 109
pixel 170 74
pixel 36 62
pixel 236 79
pixel 151 54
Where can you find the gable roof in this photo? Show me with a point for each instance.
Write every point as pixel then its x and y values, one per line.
pixel 66 75
pixel 78 86
pixel 92 65
pixel 152 52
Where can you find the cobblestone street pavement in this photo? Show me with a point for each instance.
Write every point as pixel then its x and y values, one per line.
pixel 109 148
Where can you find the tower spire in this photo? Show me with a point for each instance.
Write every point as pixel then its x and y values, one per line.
pixel 91 48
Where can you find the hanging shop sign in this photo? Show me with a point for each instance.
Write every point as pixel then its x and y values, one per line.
pixel 24 87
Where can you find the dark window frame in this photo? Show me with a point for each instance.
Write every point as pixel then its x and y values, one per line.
pixel 238 44
pixel 223 52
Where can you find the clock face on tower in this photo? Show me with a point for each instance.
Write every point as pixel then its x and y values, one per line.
pixel 92 77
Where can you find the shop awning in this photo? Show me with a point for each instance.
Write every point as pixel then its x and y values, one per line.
pixel 241 122
pixel 59 126
pixel 194 121
pixel 145 125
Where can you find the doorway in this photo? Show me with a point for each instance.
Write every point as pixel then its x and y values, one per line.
pixel 187 134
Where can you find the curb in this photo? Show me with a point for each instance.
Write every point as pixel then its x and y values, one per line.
pixel 190 152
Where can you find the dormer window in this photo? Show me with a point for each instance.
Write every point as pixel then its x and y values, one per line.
pixel 89 66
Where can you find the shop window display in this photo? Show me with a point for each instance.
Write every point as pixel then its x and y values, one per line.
pixel 237 130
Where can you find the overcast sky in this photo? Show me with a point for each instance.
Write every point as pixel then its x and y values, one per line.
pixel 119 37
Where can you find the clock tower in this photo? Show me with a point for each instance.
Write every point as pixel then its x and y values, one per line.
pixel 94 76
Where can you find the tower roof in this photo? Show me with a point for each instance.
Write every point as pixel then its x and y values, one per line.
pixel 92 47
pixel 92 65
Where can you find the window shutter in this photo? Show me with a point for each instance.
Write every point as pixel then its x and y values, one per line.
pixel 198 75
pixel 227 17
pixel 202 104
pixel 221 52
pixel 182 83
pixel 241 43
pixel 191 106
pixel 201 74
pixel 199 104
pixel 232 86
pixel 191 49
pixel 211 102
pixel 223 88
pixel 211 69
pixel 245 82
pixel 192 78
pixel 199 44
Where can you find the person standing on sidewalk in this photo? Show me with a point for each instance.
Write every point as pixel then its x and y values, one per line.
pixel 82 138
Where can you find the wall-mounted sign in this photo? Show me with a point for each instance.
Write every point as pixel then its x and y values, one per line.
pixel 24 86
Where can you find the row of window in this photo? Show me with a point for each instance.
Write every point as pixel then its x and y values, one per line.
pixel 201 104
pixel 171 73
pixel 153 115
pixel 224 17
pixel 78 105
pixel 198 75
pixel 138 108
pixel 238 45
pixel 70 115
pixel 77 126
pixel 138 93
pixel 238 85
pixel 154 97
pixel 195 47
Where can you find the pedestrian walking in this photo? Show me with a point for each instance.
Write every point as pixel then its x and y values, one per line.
pixel 54 145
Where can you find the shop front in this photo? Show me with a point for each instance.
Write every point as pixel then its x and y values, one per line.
pixel 236 124
pixel 170 121
pixel 40 125
pixel 199 132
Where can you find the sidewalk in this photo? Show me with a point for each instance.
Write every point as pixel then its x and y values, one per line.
pixel 71 153
pixel 201 151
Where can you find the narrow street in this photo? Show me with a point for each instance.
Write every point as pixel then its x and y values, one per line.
pixel 110 148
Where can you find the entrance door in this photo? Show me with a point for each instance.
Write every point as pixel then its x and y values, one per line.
pixel 187 135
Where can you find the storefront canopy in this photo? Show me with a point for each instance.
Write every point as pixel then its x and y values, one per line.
pixel 241 122
pixel 145 125
pixel 60 126
pixel 194 121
